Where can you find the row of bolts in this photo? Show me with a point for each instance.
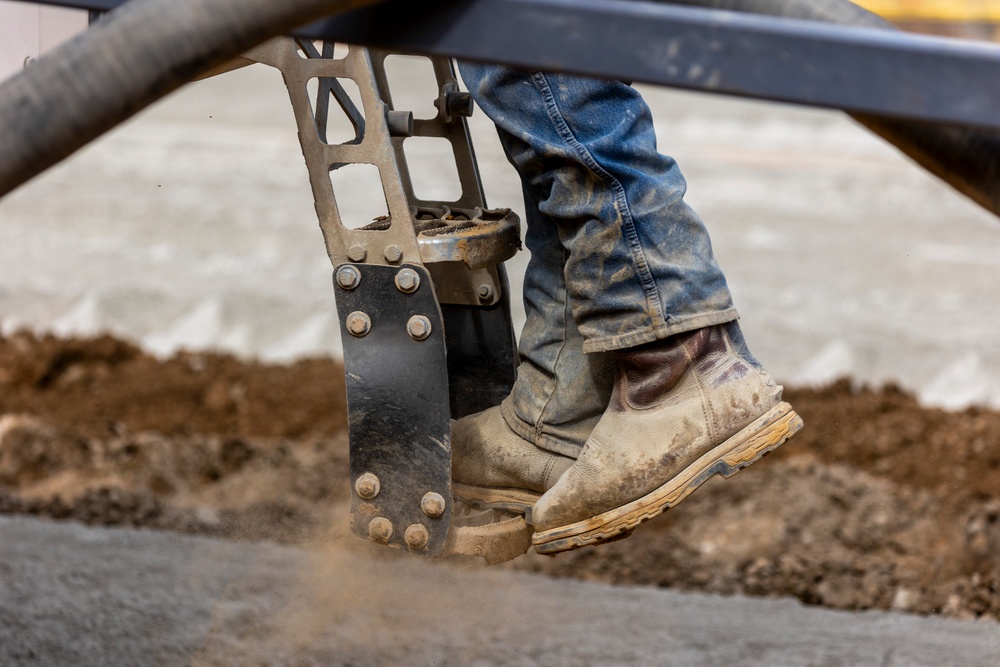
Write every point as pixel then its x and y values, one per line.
pixel 407 281
pixel 359 324
pixel 380 529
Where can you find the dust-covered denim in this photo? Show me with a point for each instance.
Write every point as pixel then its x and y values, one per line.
pixel 618 258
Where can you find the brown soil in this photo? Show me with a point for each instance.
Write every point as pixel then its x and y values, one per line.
pixel 878 503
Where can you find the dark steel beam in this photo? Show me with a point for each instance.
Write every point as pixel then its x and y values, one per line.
pixel 862 71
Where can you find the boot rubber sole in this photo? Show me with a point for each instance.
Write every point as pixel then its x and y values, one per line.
pixel 495 539
pixel 762 436
pixel 516 501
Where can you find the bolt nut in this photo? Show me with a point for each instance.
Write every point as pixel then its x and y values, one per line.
pixel 359 324
pixel 419 327
pixel 348 277
pixel 432 504
pixel 486 293
pixel 393 254
pixel 367 486
pixel 357 253
pixel 380 529
pixel 408 281
pixel 416 536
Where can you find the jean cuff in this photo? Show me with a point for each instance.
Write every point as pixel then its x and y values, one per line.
pixel 649 334
pixel 531 434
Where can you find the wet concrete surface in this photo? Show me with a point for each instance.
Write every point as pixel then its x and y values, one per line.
pixel 71 595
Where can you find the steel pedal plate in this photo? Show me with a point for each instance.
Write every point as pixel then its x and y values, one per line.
pixel 397 404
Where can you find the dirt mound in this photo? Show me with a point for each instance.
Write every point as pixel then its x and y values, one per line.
pixel 878 503
pixel 230 486
pixel 103 385
pixel 889 435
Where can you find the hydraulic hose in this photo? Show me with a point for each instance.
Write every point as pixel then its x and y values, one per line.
pixel 967 159
pixel 134 56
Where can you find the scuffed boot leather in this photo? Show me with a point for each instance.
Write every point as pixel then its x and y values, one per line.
pixel 493 467
pixel 682 410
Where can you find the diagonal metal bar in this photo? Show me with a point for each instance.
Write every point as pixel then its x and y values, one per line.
pixel 347 105
pixel 330 86
pixel 862 71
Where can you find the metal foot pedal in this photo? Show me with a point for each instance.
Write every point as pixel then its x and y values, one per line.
pixel 421 294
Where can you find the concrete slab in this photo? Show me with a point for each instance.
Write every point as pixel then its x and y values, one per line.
pixel 74 595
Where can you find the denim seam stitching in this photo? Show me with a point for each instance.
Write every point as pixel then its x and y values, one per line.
pixel 519 426
pixel 628 223
pixel 562 348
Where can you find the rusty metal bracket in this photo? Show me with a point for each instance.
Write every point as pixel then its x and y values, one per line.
pixel 299 61
pixel 415 230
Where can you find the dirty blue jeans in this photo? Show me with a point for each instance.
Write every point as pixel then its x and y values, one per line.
pixel 618 258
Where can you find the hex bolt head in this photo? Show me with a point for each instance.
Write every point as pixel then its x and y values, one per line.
pixel 357 253
pixel 432 504
pixel 359 324
pixel 416 536
pixel 408 281
pixel 393 254
pixel 486 293
pixel 380 529
pixel 368 486
pixel 419 327
pixel 348 277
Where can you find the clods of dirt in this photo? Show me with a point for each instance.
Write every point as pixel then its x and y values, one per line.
pixel 878 503
pixel 100 386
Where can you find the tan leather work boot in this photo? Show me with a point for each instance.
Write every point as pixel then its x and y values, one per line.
pixel 494 467
pixel 682 410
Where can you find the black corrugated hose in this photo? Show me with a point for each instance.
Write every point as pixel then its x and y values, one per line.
pixel 128 60
pixel 967 159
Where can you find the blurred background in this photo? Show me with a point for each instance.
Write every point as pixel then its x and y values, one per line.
pixel 192 227
pixel 970 18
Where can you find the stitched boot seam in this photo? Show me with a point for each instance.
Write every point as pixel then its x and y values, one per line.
pixel 567 313
pixel 706 404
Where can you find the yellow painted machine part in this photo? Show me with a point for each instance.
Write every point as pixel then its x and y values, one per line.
pixel 935 10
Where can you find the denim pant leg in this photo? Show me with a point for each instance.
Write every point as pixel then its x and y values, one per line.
pixel 638 261
pixel 560 392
